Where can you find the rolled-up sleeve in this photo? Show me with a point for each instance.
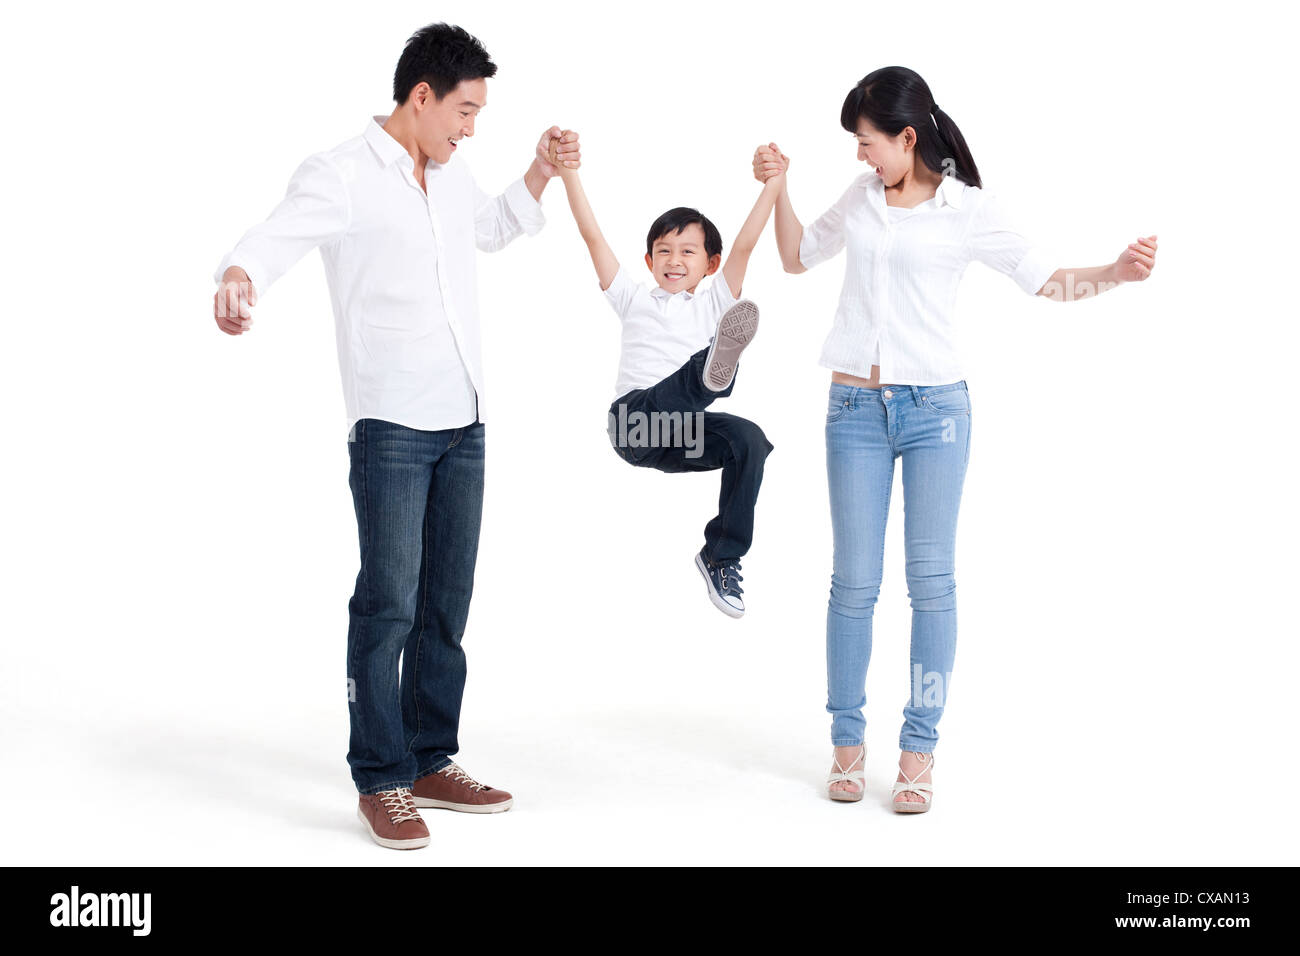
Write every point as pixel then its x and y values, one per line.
pixel 994 241
pixel 824 237
pixel 499 219
pixel 316 209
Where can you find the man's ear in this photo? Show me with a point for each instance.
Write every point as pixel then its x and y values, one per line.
pixel 714 262
pixel 423 96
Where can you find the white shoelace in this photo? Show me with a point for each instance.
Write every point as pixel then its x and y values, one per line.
pixel 460 776
pixel 399 805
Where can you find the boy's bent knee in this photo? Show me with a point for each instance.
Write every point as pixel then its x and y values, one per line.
pixel 752 438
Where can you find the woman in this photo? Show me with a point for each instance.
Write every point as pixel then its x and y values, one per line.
pixel 910 226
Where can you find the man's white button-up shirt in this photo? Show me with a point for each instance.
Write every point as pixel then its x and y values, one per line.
pixel 400 264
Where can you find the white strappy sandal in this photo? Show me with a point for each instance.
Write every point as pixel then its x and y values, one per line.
pixel 854 776
pixel 923 790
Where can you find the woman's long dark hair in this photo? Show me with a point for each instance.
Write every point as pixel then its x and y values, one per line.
pixel 894 97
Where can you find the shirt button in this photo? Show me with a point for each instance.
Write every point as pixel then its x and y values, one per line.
pixel 888 394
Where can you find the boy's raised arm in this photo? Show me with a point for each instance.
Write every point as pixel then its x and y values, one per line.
pixel 602 256
pixel 733 270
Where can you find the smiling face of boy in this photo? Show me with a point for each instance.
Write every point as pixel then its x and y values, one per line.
pixel 679 260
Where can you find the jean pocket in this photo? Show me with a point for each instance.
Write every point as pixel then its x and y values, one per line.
pixel 951 401
pixel 835 410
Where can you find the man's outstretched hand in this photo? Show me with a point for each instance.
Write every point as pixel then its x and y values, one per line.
pixel 232 305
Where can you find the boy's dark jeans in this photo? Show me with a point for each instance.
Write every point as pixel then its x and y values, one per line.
pixel 734 444
pixel 419 501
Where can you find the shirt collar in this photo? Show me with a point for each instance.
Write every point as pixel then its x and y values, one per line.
pixel 659 292
pixel 949 192
pixel 386 148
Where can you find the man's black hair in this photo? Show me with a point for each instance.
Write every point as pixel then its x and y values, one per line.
pixel 675 220
pixel 441 55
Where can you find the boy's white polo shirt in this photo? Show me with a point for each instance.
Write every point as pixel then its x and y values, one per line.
pixel 662 329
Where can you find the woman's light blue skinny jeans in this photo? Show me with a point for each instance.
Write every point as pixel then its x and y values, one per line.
pixel 928 428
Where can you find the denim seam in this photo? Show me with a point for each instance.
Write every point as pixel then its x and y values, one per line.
pixel 419 636
pixel 722 512
pixel 888 492
pixel 387 785
pixel 966 462
pixel 363 448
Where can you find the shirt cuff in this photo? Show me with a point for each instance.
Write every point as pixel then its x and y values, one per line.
pixel 809 255
pixel 618 288
pixel 724 296
pixel 1034 270
pixel 250 266
pixel 527 210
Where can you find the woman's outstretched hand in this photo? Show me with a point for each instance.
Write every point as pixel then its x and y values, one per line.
pixel 1136 262
pixel 769 162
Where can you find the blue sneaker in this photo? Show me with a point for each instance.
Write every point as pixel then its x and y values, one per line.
pixel 724 585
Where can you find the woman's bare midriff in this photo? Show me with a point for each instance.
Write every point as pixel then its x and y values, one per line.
pixel 856 381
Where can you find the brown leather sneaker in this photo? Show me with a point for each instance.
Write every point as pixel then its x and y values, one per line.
pixel 453 789
pixel 392 819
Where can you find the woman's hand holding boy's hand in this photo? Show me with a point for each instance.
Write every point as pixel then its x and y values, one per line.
pixel 1136 262
pixel 769 163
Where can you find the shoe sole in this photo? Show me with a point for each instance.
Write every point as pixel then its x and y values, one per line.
pixel 391 844
pixel 717 600
pixel 427 803
pixel 845 796
pixel 736 329
pixel 911 806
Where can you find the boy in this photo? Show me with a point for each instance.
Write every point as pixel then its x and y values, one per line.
pixel 680 350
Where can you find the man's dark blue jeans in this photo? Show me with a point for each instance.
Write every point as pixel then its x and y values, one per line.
pixel 734 444
pixel 419 502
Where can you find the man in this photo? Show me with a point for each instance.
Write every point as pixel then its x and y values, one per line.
pixel 397 217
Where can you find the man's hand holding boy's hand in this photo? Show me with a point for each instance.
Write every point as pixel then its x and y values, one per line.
pixel 558 151
pixel 769 163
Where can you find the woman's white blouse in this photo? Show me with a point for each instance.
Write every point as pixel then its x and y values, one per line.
pixel 900 282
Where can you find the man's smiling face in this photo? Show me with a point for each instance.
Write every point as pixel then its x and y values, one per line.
pixel 679 260
pixel 440 124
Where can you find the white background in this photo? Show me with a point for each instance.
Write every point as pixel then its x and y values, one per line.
pixel 180 543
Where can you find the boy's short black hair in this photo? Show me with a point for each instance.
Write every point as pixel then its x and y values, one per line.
pixel 675 220
pixel 441 55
